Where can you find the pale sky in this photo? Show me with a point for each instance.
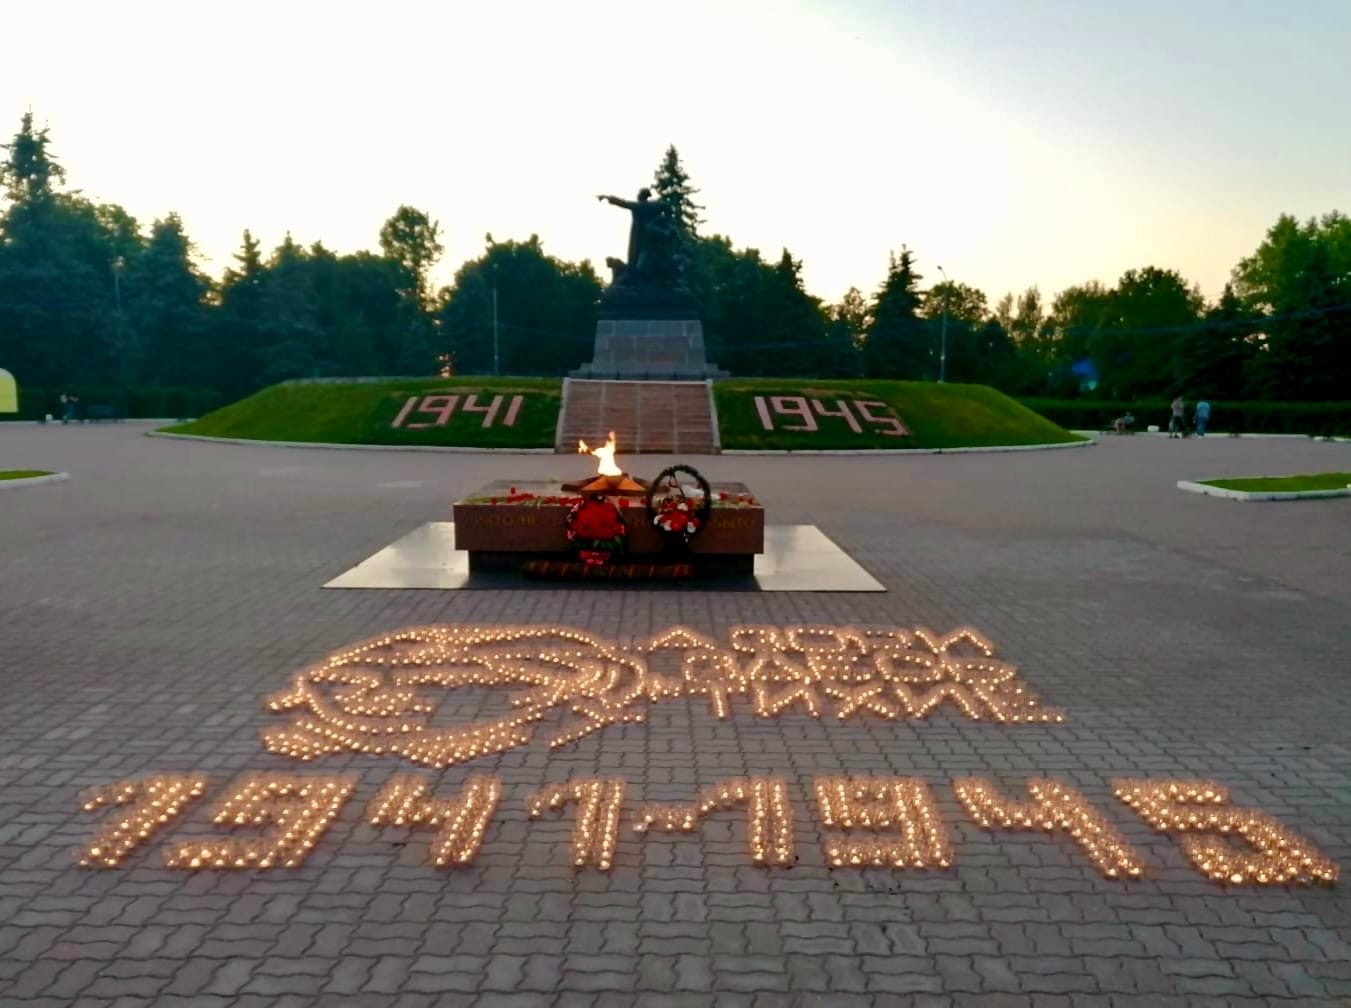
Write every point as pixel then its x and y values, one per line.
pixel 1046 142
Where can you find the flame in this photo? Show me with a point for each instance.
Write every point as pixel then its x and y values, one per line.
pixel 605 456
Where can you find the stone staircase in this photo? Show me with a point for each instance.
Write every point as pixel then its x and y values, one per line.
pixel 667 417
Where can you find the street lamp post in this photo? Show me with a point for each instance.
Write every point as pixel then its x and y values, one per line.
pixel 943 346
pixel 497 360
pixel 118 265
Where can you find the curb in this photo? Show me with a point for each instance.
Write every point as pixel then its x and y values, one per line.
pixel 14 484
pixel 452 449
pixel 93 423
pixel 905 451
pixel 1216 435
pixel 1245 495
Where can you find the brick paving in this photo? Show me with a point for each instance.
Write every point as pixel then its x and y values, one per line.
pixel 148 606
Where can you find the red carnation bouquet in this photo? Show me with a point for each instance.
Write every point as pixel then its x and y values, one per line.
pixel 596 527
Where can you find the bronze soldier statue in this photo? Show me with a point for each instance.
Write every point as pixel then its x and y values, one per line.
pixel 654 257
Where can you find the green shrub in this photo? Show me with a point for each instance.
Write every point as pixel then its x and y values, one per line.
pixel 1254 417
pixel 153 402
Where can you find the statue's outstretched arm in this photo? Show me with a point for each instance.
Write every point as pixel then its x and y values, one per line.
pixel 616 201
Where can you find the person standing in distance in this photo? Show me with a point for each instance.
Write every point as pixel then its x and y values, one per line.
pixel 1177 424
pixel 1202 417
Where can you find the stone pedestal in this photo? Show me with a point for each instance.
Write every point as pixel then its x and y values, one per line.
pixel 655 349
pixel 503 536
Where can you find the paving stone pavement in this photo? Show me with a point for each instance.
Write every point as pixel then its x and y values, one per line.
pixel 148 605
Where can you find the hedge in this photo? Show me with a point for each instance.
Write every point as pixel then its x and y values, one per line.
pixel 1254 417
pixel 153 402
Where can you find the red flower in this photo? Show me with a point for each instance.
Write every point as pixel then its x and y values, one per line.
pixel 597 519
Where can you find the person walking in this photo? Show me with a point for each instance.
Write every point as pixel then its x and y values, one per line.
pixel 68 407
pixel 1177 425
pixel 1202 417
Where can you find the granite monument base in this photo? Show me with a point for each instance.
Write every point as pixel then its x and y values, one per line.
pixel 657 349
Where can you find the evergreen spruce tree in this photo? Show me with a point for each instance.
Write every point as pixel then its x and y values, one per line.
pixel 292 338
pixel 239 320
pixel 165 298
pixel 672 186
pixel 57 285
pixel 897 339
pixel 31 171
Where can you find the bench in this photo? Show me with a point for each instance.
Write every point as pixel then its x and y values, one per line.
pixel 101 411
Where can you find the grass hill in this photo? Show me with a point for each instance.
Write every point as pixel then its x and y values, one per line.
pixel 478 412
pixel 768 413
pixel 796 414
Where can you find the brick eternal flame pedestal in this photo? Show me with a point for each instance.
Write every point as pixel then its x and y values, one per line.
pixel 505 536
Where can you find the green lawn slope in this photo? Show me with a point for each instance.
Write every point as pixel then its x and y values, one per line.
pixel 936 416
pixel 365 413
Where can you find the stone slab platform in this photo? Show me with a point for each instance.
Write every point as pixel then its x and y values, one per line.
pixel 797 558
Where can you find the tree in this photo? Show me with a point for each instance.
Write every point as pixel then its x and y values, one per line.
pixel 1135 350
pixel 411 239
pixel 362 310
pixel 1307 351
pixel 672 186
pixel 846 324
pixel 965 310
pixel 31 171
pixel 998 359
pixel 1214 357
pixel 241 335
pixel 166 311
pixel 758 319
pixel 1077 314
pixel 293 343
pixel 1300 277
pixel 1021 344
pixel 897 340
pixel 1265 279
pixel 1026 324
pixel 546 311
pixel 57 285
pixel 796 320
pixel 853 313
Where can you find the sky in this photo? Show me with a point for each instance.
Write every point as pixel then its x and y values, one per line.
pixel 1046 142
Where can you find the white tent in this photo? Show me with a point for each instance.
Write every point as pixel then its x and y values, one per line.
pixel 9 393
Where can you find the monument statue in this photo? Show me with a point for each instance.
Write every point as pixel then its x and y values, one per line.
pixel 647 321
pixel 655 259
